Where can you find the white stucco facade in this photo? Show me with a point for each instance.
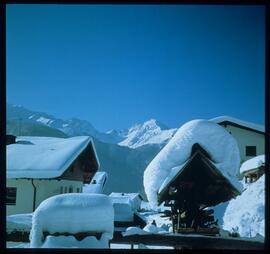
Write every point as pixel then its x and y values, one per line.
pixel 245 137
pixel 44 190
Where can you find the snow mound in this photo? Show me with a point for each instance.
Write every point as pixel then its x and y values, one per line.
pixel 134 231
pixel 19 222
pixel 72 213
pixel 221 146
pixel 253 163
pixel 247 211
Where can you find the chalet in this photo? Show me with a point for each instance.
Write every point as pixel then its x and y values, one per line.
pixel 41 167
pixel 249 136
pixel 253 169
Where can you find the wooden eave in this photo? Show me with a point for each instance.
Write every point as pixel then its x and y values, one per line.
pixel 83 167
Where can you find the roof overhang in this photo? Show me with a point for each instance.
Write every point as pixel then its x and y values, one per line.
pixel 227 120
pixel 200 180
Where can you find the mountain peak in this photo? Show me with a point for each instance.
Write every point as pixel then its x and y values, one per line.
pixel 153 123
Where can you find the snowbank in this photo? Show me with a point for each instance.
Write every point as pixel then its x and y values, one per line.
pixel 72 213
pixel 221 146
pixel 19 222
pixel 247 211
pixel 44 157
pixel 253 163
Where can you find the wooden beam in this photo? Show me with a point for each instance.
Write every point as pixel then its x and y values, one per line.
pixel 191 241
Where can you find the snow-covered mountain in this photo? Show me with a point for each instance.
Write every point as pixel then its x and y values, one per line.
pixel 150 132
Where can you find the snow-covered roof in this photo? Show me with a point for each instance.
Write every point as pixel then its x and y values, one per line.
pixel 97 183
pixel 131 199
pixel 253 163
pixel 44 157
pixel 218 143
pixel 99 177
pixel 249 125
pixel 125 195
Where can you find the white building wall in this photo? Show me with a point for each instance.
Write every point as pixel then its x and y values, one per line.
pixel 247 138
pixel 44 190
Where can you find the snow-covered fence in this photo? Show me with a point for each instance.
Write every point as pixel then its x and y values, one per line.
pixel 69 214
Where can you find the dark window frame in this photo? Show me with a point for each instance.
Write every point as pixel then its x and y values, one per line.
pixel 251 151
pixel 11 197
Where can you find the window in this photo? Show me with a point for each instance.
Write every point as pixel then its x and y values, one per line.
pixel 70 189
pixel 251 151
pixel 78 190
pixel 11 195
pixel 65 189
pixel 61 190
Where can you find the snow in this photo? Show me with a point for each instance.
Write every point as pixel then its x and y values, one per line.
pixel 246 212
pixel 134 231
pixel 72 242
pixel 253 163
pixel 172 174
pixel 72 213
pixel 123 212
pixel 250 125
pixel 43 157
pixel 221 146
pixel 97 183
pixel 148 229
pixel 133 199
pixel 19 222
pixel 150 132
pixel 44 120
pixel 30 117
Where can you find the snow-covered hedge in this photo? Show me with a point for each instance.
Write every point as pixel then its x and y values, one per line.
pixel 221 146
pixel 72 213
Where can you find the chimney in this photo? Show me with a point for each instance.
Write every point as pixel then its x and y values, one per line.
pixel 10 139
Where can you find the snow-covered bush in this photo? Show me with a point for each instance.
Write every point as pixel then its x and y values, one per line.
pixel 246 212
pixel 72 213
pixel 221 146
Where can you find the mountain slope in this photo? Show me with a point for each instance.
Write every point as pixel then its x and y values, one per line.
pixel 27 128
pixel 150 132
pixel 125 166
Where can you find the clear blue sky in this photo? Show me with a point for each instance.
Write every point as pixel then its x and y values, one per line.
pixel 116 65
